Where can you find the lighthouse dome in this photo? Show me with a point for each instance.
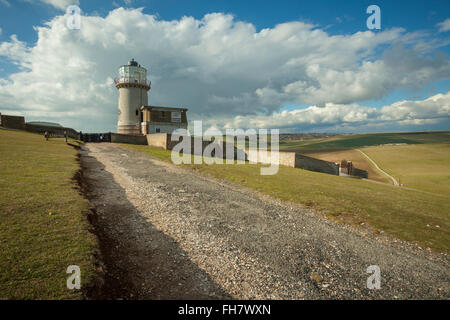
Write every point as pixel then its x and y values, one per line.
pixel 133 63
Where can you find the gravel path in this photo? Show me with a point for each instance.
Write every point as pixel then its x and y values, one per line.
pixel 169 233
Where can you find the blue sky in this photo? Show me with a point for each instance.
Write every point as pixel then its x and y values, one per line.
pixel 342 16
pixel 294 84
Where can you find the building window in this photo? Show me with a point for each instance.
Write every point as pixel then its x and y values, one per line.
pixel 137 112
pixel 158 130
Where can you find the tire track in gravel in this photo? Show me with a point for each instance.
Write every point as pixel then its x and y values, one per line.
pixel 170 233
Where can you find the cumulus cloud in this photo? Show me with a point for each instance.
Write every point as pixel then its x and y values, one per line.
pixel 444 25
pixel 431 110
pixel 218 67
pixel 16 50
pixel 5 3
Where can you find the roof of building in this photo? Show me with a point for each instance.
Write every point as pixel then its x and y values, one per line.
pixel 157 108
pixel 43 123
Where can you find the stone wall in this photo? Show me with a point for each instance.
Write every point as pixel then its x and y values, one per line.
pixel 96 137
pixel 317 165
pixel 293 160
pixel 219 150
pixel 360 173
pixel 164 140
pixel 349 169
pixel 270 157
pixel 126 138
pixel 159 140
pixel 13 122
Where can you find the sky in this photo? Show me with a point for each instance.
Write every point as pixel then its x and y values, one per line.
pixel 297 66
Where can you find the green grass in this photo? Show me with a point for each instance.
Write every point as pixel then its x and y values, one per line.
pixel 424 167
pixel 363 140
pixel 421 162
pixel 400 212
pixel 43 222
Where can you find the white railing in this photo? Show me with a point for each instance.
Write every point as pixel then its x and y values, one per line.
pixel 132 80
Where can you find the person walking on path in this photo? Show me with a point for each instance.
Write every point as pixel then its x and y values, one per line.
pixel 65 135
pixel 46 135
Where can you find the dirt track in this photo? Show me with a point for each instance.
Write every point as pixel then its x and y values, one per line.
pixel 169 233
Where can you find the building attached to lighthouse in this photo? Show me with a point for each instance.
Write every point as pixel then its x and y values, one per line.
pixel 136 117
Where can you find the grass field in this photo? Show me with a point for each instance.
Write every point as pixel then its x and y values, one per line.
pixel 43 224
pixel 339 148
pixel 424 167
pixel 365 140
pixel 359 161
pixel 407 214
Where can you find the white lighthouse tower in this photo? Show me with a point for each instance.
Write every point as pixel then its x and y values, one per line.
pixel 133 86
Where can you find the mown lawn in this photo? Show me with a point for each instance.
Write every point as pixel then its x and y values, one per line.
pixel 43 219
pixel 407 214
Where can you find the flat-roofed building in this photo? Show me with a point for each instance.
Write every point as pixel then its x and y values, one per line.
pixel 156 119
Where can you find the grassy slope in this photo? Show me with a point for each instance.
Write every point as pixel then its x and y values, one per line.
pixel 421 166
pixel 363 140
pixel 341 147
pixel 43 225
pixel 359 161
pixel 400 212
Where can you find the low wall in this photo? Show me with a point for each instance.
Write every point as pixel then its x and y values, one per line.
pixel 293 160
pixel 12 122
pixel 96 137
pixel 159 140
pixel 127 138
pixel 269 157
pixel 164 140
pixel 289 159
pixel 360 173
pixel 317 165
pixel 56 132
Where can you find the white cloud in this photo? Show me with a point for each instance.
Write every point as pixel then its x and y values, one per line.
pixel 444 25
pixel 5 3
pixel 437 106
pixel 16 50
pixel 61 4
pixel 431 110
pixel 217 67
